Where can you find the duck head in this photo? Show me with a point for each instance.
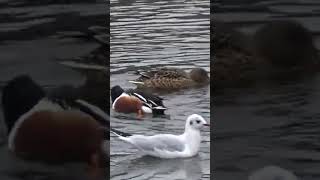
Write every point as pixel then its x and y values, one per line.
pixel 285 43
pixel 116 91
pixel 19 95
pixel 199 75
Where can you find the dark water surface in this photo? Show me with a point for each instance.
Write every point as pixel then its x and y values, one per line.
pixel 34 36
pixel 146 34
pixel 273 124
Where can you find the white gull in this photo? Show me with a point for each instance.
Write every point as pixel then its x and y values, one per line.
pixel 169 145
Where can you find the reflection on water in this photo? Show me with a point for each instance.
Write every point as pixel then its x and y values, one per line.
pixel 146 167
pixel 147 34
pixel 276 123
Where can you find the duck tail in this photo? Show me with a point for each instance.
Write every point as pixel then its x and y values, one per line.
pixel 159 110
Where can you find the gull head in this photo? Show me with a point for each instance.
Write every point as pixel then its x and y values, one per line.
pixel 196 122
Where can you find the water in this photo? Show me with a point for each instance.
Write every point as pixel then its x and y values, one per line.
pixel 34 36
pixel 147 34
pixel 275 123
pixel 272 124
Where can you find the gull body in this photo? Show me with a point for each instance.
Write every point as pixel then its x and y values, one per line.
pixel 169 145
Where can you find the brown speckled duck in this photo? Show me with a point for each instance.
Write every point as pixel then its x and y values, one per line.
pixel 278 49
pixel 172 78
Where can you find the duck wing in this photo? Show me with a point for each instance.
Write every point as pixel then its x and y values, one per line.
pixel 171 73
pixel 147 98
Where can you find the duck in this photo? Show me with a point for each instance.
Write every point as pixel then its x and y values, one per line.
pixel 94 65
pixel 285 43
pixel 45 127
pixel 138 101
pixel 280 49
pixel 95 71
pixel 171 78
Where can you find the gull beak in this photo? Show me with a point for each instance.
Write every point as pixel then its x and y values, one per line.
pixel 207 124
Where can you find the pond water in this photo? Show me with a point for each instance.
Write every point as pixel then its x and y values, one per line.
pixel 276 123
pixel 147 34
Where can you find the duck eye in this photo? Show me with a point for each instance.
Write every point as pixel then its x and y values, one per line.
pixel 198 121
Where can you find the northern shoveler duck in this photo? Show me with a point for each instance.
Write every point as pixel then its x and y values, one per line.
pixel 94 65
pixel 172 78
pixel 285 43
pixel 94 68
pixel 279 49
pixel 49 129
pixel 141 102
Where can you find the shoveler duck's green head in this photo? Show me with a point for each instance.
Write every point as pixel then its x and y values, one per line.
pixel 116 91
pixel 199 75
pixel 19 95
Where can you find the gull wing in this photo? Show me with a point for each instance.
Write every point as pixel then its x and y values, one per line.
pixel 164 142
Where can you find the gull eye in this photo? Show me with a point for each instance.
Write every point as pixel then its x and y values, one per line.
pixel 198 121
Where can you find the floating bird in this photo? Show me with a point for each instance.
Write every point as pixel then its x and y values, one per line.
pixel 286 43
pixel 169 145
pixel 136 101
pixel 94 66
pixel 53 130
pixel 278 50
pixel 272 173
pixel 171 78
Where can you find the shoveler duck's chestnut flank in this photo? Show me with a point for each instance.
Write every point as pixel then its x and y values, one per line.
pixel 52 130
pixel 130 101
pixel 172 78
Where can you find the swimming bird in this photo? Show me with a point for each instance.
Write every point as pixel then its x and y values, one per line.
pixel 169 145
pixel 286 43
pixel 136 101
pixel 272 173
pixel 171 78
pixel 94 65
pixel 47 128
pixel 280 49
